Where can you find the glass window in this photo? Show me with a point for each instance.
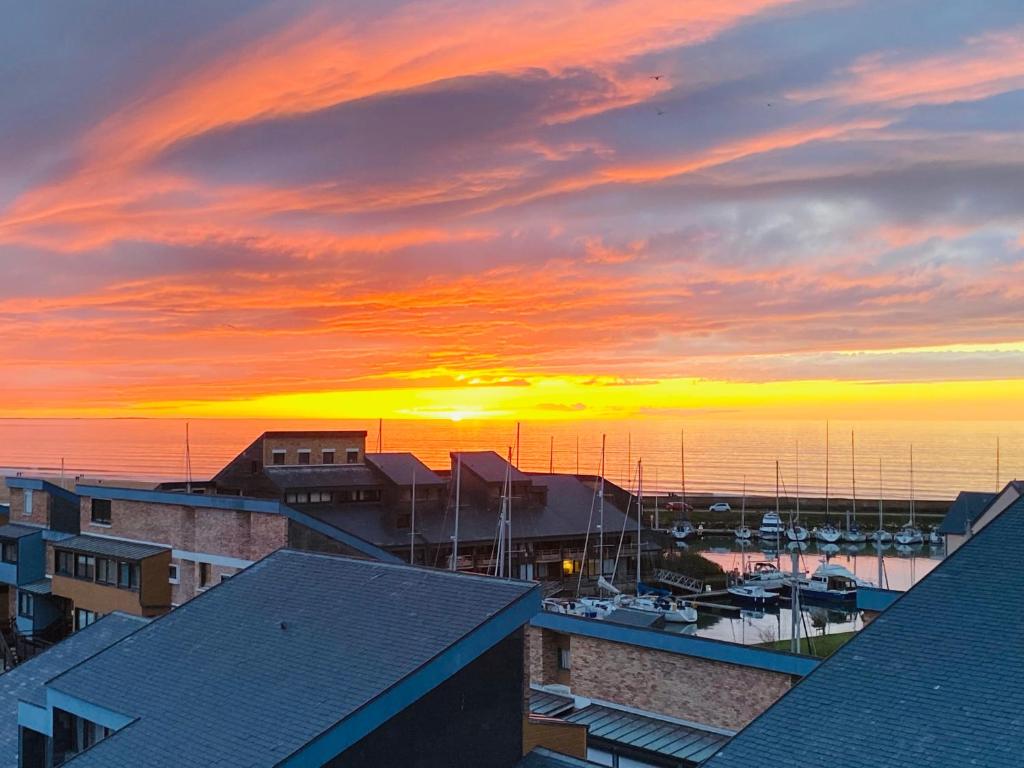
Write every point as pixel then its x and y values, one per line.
pixel 83 618
pixel 128 575
pixel 85 567
pixel 304 455
pixel 10 551
pixel 172 573
pixel 101 511
pixel 352 455
pixel 106 571
pixel 278 457
pixel 25 604
pixel 564 659
pixel 204 575
pixel 65 563
pixel 327 456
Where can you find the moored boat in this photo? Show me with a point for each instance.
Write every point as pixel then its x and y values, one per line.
pixel 765 575
pixel 827 534
pixel 771 526
pixel 674 611
pixel 753 594
pixel 682 530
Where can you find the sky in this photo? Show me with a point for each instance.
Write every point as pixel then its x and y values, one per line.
pixel 463 208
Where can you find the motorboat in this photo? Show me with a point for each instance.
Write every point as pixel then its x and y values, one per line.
pixel 828 584
pixel 908 535
pixel 765 575
pixel 827 534
pixel 585 607
pixel 674 611
pixel 796 532
pixel 771 526
pixel 682 530
pixel 753 594
pixel 834 569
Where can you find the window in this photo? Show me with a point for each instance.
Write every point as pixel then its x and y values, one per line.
pixel 319 496
pixel 172 574
pixel 327 457
pixel 352 455
pixel 10 551
pixel 278 456
pixel 85 567
pixel 25 604
pixel 304 455
pixel 83 618
pixel 128 575
pixel 65 563
pixel 296 498
pixel 204 575
pixel 101 511
pixel 106 570
pixel 27 511
pixel 564 658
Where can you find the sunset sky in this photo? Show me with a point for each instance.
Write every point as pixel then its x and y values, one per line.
pixel 534 209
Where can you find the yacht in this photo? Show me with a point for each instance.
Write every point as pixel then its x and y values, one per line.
pixel 673 611
pixel 827 534
pixel 682 530
pixel 881 536
pixel 753 594
pixel 796 532
pixel 908 535
pixel 771 526
pixel 765 575
pixel 586 607
pixel 853 534
pixel 830 583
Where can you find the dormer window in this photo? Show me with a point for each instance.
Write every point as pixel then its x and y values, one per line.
pixel 304 455
pixel 352 455
pixel 101 511
pixel 277 456
pixel 327 456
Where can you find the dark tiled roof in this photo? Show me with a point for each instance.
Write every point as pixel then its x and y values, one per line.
pixel 260 665
pixel 545 758
pixel 26 682
pixel 322 476
pixel 13 531
pixel 935 680
pixel 549 704
pixel 97 545
pixel 968 506
pixel 399 468
pixel 676 741
pixel 41 587
pixel 488 466
pixel 367 520
pixel 325 434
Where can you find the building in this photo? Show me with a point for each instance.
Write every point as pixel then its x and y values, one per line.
pixel 303 659
pixel 937 679
pixel 26 684
pixel 963 514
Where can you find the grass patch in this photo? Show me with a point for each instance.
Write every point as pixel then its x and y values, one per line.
pixel 824 645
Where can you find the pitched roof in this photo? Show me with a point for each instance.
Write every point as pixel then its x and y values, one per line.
pixel 399 469
pixel 549 704
pixel 933 681
pixel 968 506
pixel 26 682
pixel 313 433
pixel 488 466
pixel 14 531
pixel 322 476
pixel 326 635
pixel 98 545
pixel 545 758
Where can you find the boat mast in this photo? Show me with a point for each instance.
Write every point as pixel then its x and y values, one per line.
pixel 878 541
pixel 412 521
pixel 911 484
pixel 997 462
pixel 682 464
pixel 778 517
pixel 853 479
pixel 743 505
pixel 508 509
pixel 600 514
pixel 827 518
pixel 458 488
pixel 639 516
pixel 188 463
pixel 797 481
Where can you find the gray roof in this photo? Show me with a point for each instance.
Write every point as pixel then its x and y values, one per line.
pixel 686 743
pixel 933 681
pixel 549 704
pixel 322 476
pixel 13 531
pixel 41 587
pixel 545 758
pixel 399 468
pixel 488 466
pixel 261 664
pixel 968 506
pixel 26 682
pixel 98 545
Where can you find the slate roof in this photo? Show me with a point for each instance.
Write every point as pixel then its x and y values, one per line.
pixel 41 587
pixel 322 476
pixel 261 664
pixel 13 531
pixel 675 741
pixel 935 680
pixel 549 704
pixel 968 506
pixel 26 681
pixel 98 545
pixel 488 466
pixel 398 468
pixel 545 758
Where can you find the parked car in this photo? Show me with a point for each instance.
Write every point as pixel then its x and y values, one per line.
pixel 679 506
pixel 720 506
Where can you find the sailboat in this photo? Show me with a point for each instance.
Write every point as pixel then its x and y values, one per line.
pixel 771 524
pixel 827 533
pixel 881 536
pixel 743 532
pixel 794 531
pixel 909 534
pixel 853 534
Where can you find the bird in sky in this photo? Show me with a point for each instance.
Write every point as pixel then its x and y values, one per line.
pixel 656 77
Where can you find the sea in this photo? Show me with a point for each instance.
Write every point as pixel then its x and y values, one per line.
pixel 722 456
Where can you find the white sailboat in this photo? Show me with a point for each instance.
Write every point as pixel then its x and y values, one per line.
pixel 827 533
pixel 743 532
pixel 909 534
pixel 880 536
pixel 853 534
pixel 794 531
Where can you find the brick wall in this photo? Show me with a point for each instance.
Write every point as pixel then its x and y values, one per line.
pixel 709 692
pixel 40 507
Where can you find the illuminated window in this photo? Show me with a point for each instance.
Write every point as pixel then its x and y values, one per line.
pixel 568 568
